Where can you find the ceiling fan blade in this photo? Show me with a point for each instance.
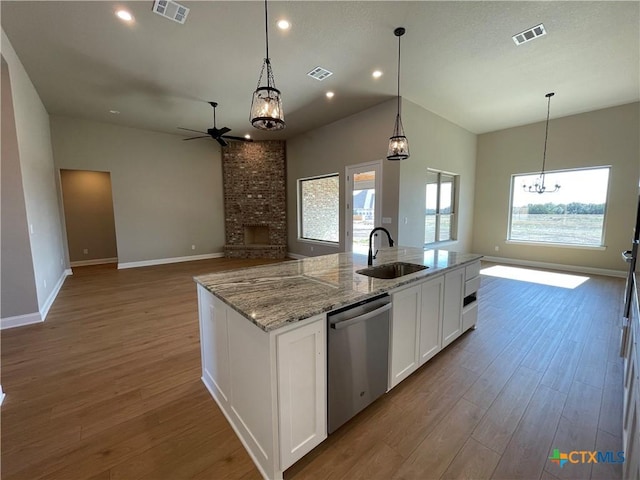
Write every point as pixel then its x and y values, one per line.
pixel 190 130
pixel 223 130
pixel 241 139
pixel 193 138
pixel 221 141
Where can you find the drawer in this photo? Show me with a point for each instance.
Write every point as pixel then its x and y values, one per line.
pixel 471 286
pixel 472 271
pixel 469 316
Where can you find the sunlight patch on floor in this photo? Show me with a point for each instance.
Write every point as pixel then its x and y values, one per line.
pixel 554 279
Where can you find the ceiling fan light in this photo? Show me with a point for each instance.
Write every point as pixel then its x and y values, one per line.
pixel 266 109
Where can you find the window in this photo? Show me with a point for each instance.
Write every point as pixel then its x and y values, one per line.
pixel 318 208
pixel 574 215
pixel 440 222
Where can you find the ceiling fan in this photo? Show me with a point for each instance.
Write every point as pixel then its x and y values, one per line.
pixel 218 134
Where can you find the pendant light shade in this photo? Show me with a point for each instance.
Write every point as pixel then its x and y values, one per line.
pixel 538 184
pixel 266 104
pixel 398 143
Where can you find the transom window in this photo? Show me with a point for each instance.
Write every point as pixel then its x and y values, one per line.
pixel 440 223
pixel 573 215
pixel 318 208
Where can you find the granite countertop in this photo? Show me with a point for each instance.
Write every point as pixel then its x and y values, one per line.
pixel 272 296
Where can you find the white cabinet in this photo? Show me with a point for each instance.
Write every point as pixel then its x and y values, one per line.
pixel 271 386
pixel 431 318
pixel 215 343
pixel 631 403
pixel 405 334
pixel 452 315
pixel 415 327
pixel 470 302
pixel 302 399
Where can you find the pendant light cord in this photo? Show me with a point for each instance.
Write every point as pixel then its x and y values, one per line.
pixel 266 28
pixel 546 134
pixel 399 74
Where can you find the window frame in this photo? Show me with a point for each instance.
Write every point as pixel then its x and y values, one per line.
pixel 453 222
pixel 601 246
pixel 299 212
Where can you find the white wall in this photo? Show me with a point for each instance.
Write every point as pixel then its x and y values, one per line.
pixel 38 180
pixel 167 193
pixel 359 138
pixel 438 144
pixel 18 295
pixel 602 137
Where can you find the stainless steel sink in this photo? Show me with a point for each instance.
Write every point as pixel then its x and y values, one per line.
pixel 391 270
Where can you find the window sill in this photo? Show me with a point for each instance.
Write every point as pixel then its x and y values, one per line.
pixel 557 245
pixel 445 243
pixel 320 242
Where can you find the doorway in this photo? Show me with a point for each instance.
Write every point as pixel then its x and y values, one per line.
pixel 89 219
pixel 363 204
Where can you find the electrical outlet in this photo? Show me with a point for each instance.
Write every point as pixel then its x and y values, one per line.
pixel 193 247
pixel 497 248
pixel 406 220
pixel 31 228
pixel 311 248
pixel 85 251
pixel 45 283
pixel 386 220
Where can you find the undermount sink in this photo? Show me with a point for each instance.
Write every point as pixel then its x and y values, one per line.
pixel 391 270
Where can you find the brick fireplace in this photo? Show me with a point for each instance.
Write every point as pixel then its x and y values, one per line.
pixel 255 199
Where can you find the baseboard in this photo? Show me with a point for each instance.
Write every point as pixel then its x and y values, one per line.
pixel 44 310
pixel 295 256
pixel 557 266
pixel 95 261
pixel 20 320
pixel 162 261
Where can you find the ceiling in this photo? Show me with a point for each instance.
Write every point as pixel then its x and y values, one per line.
pixel 458 60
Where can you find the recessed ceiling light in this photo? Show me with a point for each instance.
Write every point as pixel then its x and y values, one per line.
pixel 124 15
pixel 284 24
pixel 329 94
pixel 247 136
pixel 376 74
pixel 115 112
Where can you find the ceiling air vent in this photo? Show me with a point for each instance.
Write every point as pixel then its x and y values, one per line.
pixel 171 10
pixel 320 73
pixel 529 34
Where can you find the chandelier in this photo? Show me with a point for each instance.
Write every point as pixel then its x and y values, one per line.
pixel 538 184
pixel 398 143
pixel 266 104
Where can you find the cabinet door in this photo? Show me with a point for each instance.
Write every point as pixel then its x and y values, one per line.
pixel 302 390
pixel 214 344
pixel 405 334
pixel 452 317
pixel 431 318
pixel 631 403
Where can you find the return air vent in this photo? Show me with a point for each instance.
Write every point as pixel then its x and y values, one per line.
pixel 320 73
pixel 171 10
pixel 529 34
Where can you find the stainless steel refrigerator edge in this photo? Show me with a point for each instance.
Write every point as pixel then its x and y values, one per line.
pixel 630 256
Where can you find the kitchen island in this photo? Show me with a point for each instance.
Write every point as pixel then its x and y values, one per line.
pixel 263 337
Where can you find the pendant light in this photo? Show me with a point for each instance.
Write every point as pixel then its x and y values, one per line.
pixel 266 104
pixel 538 185
pixel 398 143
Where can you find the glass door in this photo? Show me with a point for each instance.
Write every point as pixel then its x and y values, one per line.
pixel 363 210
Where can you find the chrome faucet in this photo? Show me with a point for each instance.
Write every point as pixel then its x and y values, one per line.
pixel 371 255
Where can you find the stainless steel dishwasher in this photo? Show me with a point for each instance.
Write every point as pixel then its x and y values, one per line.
pixel 358 358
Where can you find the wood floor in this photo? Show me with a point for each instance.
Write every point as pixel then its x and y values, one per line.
pixel 108 388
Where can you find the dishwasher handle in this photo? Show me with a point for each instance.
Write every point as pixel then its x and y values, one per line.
pixel 361 318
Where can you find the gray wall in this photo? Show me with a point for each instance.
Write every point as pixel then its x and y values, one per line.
pixel 438 144
pixel 602 137
pixel 359 138
pixel 18 294
pixel 167 193
pixel 88 213
pixel 38 179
